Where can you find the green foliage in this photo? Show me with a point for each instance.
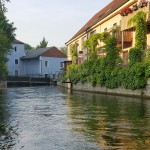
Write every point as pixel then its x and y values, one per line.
pixel 139 20
pixel 3 45
pixel 135 55
pixel 7 36
pixel 91 45
pixel 74 53
pixel 147 69
pixel 64 50
pixel 63 77
pixel 72 73
pixel 113 78
pixel 133 77
pixel 108 71
pixel 112 56
pixel 28 47
pixel 7 28
pixel 43 44
pixel 97 72
pixel 2 5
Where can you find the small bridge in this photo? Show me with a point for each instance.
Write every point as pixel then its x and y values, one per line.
pixel 27 81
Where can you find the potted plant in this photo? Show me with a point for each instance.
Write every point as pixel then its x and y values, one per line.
pixel 125 11
pixel 142 3
pixel 128 10
pixel 135 7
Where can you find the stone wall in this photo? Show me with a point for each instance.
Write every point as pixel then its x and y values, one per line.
pixel 145 92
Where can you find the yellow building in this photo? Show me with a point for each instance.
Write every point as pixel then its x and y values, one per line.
pixel 115 15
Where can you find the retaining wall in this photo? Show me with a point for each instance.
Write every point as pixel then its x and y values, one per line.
pixel 145 92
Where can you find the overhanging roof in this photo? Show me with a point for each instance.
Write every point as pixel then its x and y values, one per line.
pixel 110 8
pixel 45 52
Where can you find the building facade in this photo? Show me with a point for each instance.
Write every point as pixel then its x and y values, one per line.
pixel 14 64
pixel 41 62
pixel 115 15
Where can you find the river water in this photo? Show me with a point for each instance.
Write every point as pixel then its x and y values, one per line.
pixel 52 118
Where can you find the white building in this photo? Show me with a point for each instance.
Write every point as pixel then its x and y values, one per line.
pixel 40 62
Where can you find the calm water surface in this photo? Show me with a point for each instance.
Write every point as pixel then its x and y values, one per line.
pixel 50 118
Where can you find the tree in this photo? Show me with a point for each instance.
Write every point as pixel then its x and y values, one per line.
pixel 64 49
pixel 7 36
pixel 3 59
pixel 28 47
pixel 8 28
pixel 2 5
pixel 43 44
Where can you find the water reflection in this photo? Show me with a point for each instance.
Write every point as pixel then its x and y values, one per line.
pixel 52 118
pixel 111 122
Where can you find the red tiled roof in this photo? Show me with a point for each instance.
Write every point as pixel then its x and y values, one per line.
pixel 110 8
pixel 46 52
pixel 17 42
pixel 54 52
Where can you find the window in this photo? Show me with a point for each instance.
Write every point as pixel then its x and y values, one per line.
pixel 80 52
pixel 92 32
pixel 46 75
pixel 16 61
pixel 115 25
pixel 105 30
pixel 16 72
pixel 46 63
pixel 15 49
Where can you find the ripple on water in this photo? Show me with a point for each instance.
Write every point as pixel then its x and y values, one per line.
pixel 51 119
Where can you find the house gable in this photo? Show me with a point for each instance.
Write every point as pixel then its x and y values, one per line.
pixel 53 52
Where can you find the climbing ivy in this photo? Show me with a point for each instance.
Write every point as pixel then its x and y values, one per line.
pixel 139 21
pixel 109 71
pixel 74 53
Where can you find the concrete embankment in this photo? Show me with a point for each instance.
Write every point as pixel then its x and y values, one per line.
pixel 87 87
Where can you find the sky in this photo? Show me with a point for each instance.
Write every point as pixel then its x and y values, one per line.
pixel 56 20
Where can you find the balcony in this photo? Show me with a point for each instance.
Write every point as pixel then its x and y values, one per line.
pixel 127 15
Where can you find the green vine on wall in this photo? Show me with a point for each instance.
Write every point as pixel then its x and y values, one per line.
pixel 108 71
pixel 74 53
pixel 139 21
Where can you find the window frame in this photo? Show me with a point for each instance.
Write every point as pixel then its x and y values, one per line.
pixel 16 60
pixel 46 64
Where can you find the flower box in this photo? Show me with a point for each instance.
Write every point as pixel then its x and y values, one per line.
pixel 142 3
pixel 125 11
pixel 135 7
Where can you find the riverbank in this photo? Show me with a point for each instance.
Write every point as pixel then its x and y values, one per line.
pixel 87 87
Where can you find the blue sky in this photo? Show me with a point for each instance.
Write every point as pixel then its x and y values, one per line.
pixel 56 20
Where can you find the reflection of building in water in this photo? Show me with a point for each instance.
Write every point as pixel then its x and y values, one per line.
pixel 112 122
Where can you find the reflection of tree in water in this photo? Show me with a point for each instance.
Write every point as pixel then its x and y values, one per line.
pixel 114 122
pixel 7 132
